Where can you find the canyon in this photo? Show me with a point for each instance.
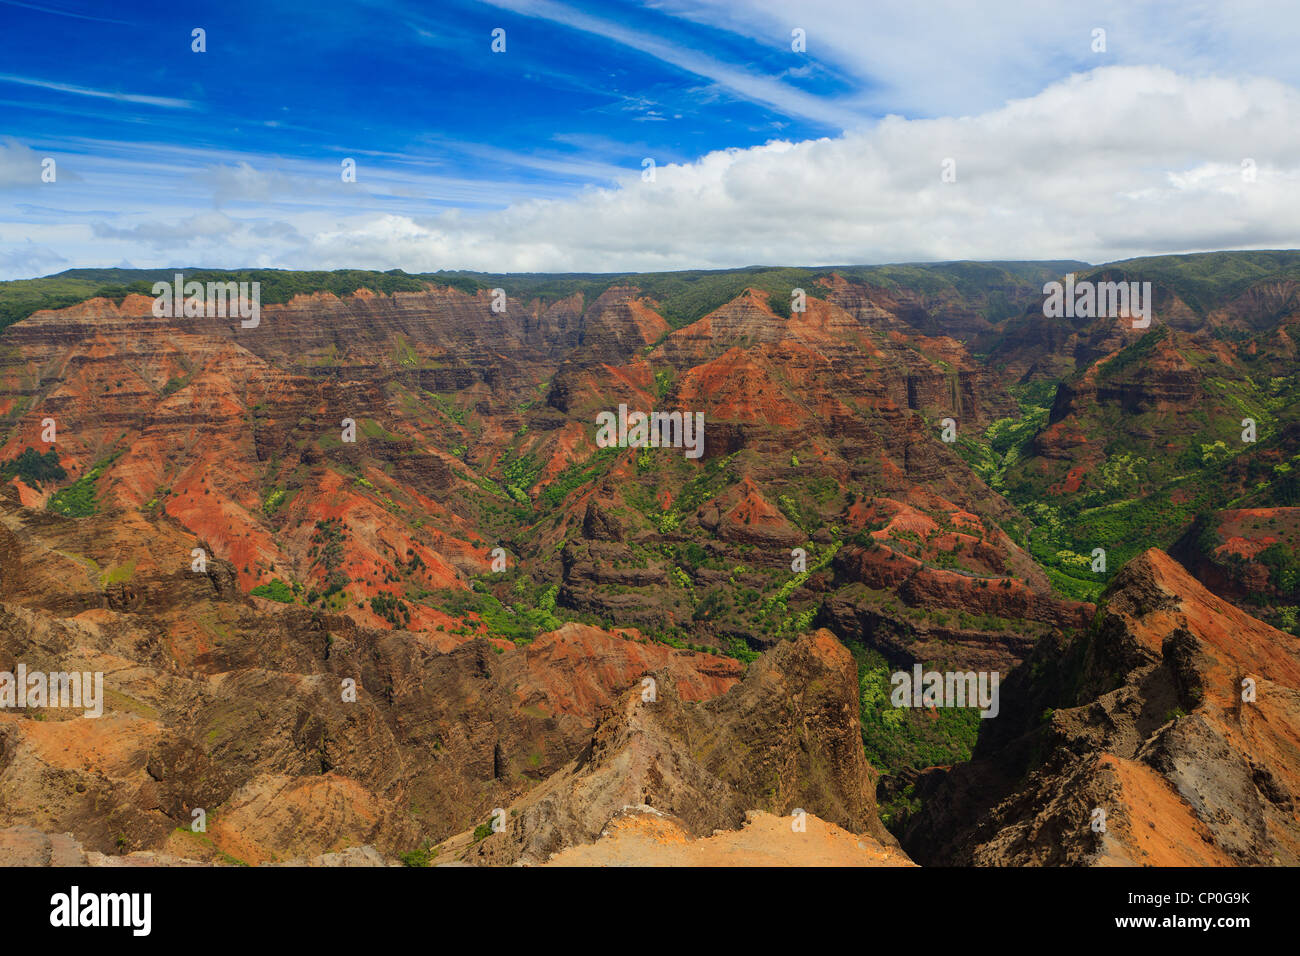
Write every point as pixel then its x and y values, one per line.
pixel 467 631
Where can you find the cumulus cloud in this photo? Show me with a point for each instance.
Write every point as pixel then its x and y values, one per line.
pixel 165 235
pixel 30 259
pixel 1116 162
pixel 1107 164
pixel 19 166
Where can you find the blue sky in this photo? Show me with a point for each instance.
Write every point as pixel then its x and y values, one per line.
pixel 409 89
pixel 532 158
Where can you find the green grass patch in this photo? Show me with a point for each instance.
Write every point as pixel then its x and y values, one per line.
pixel 276 590
pixel 78 499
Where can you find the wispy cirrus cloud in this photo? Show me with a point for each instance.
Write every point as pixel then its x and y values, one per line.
pixel 54 11
pixel 954 57
pixel 166 102
pixel 742 82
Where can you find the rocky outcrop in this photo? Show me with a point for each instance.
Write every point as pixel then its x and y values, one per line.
pixel 601 524
pixel 786 738
pixel 1163 380
pixel 950 617
pixel 1245 554
pixel 26 846
pixel 1164 736
pixel 643 836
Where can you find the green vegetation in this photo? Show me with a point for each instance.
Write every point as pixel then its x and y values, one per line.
pixel 119 574
pixel 1135 353
pixel 1283 569
pixel 391 609
pixel 1007 440
pixel 33 468
pixel 1203 280
pixel 780 304
pixel 448 407
pixel 22 297
pixel 327 555
pixel 998 288
pixel 1157 473
pixel 520 475
pixel 818 558
pixel 174 385
pixel 78 499
pixel 19 299
pixel 423 855
pixel 897 737
pixel 518 622
pixel 276 590
pixel 274 499
pixel 404 353
pixel 575 476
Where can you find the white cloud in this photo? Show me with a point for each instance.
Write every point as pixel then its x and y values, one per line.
pixel 166 235
pixel 30 259
pixel 164 101
pixel 1118 162
pixel 741 82
pixel 970 57
pixel 19 166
